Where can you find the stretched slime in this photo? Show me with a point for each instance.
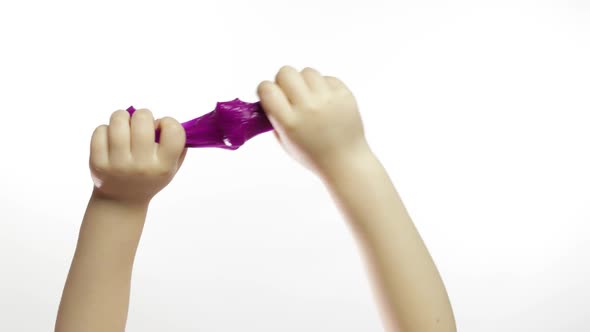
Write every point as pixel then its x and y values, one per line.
pixel 228 126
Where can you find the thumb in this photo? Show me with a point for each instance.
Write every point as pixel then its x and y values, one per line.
pixel 275 104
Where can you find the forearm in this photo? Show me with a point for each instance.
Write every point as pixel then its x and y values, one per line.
pixel 96 293
pixel 411 293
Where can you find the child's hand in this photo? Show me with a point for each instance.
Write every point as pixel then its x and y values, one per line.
pixel 315 117
pixel 127 164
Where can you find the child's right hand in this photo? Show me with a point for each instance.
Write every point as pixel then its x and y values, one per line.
pixel 315 117
pixel 126 163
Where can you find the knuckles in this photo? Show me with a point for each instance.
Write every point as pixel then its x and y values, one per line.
pixel 173 129
pixel 120 115
pixel 309 71
pixel 140 169
pixel 286 69
pixel 97 166
pixel 163 171
pixel 170 124
pixel 143 114
pixel 100 130
pixel 130 169
pixel 284 73
pixel 264 87
pixel 118 168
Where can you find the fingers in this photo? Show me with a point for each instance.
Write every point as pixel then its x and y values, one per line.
pixel 172 140
pixel 314 80
pixel 335 83
pixel 293 88
pixel 274 102
pixel 143 132
pixel 127 138
pixel 99 147
pixel 292 84
pixel 118 137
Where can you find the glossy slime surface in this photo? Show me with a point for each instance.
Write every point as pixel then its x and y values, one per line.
pixel 228 126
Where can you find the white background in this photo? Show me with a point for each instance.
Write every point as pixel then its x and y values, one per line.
pixel 478 109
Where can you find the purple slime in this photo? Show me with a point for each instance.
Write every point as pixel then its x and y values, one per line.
pixel 228 126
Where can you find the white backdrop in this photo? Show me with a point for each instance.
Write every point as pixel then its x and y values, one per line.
pixel 478 109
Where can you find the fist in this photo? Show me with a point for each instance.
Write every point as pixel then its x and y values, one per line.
pixel 315 117
pixel 127 164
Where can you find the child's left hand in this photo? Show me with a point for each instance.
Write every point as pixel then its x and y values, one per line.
pixel 126 163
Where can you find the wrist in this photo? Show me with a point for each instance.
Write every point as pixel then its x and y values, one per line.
pixel 355 159
pixel 116 213
pixel 98 198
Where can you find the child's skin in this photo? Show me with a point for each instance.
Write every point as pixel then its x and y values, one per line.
pixel 317 120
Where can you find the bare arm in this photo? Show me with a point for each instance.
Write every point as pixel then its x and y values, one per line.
pixel 411 293
pixel 316 119
pixel 128 169
pixel 96 294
